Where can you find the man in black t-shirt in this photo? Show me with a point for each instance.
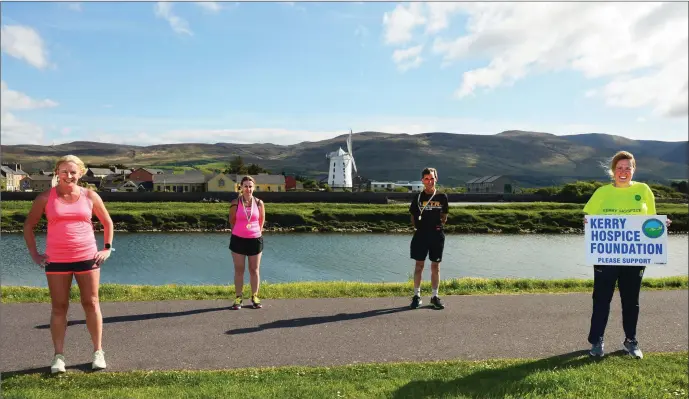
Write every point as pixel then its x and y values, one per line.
pixel 428 214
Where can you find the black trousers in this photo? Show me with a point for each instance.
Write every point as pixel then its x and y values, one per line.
pixel 628 279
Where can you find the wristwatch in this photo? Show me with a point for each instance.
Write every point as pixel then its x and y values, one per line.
pixel 108 246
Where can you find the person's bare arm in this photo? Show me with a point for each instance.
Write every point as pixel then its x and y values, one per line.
pixel 261 214
pixel 108 229
pixel 233 213
pixel 32 219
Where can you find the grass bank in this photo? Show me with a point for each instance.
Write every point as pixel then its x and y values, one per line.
pixel 539 217
pixel 661 375
pixel 336 289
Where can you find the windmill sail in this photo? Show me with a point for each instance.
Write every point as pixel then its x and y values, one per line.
pixel 349 149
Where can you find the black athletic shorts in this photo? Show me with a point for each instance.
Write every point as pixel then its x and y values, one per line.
pixel 427 243
pixel 84 266
pixel 246 246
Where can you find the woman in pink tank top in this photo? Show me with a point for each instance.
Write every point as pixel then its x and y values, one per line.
pixel 71 252
pixel 247 216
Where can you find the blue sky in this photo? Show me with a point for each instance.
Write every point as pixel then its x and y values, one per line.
pixel 150 73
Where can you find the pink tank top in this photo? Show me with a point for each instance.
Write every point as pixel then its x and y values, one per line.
pixel 246 227
pixel 70 231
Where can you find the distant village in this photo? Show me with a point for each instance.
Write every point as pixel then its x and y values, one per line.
pixel 162 180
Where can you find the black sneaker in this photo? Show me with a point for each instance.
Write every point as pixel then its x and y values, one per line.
pixel 437 303
pixel 416 302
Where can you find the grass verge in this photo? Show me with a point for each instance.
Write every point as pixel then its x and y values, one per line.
pixel 334 289
pixel 575 375
pixel 538 217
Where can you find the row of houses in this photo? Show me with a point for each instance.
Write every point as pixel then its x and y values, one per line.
pixel 148 179
pixel 160 180
pixel 194 181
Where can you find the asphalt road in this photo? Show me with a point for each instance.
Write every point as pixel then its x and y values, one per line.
pixel 325 332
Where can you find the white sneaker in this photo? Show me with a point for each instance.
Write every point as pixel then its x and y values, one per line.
pixel 98 360
pixel 632 347
pixel 58 365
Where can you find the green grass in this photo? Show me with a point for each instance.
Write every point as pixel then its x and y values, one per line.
pixel 308 217
pixel 575 375
pixel 336 289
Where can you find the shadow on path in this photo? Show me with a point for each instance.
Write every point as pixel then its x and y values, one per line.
pixel 308 321
pixel 139 317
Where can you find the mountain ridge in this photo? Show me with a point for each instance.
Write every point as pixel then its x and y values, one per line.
pixel 531 158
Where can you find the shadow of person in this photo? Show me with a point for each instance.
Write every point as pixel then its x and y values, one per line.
pixel 45 371
pixel 494 383
pixel 139 317
pixel 308 321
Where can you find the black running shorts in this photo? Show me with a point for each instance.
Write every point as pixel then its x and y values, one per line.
pixel 71 267
pixel 246 246
pixel 429 243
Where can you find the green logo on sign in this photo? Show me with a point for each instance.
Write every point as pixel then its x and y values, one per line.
pixel 637 197
pixel 653 228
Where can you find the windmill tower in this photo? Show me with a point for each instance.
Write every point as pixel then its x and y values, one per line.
pixel 340 167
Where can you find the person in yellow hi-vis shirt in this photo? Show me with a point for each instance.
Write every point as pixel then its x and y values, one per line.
pixel 622 197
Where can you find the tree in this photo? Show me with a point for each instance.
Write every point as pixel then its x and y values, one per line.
pixel 310 184
pixel 254 169
pixel 3 184
pixel 236 166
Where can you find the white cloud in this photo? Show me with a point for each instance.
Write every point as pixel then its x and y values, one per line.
pixel 439 14
pixel 15 131
pixel 163 9
pixel 210 6
pixel 74 6
pixel 24 43
pixel 408 58
pixel 639 49
pixel 400 23
pixel 15 100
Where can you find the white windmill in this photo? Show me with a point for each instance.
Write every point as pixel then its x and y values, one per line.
pixel 341 166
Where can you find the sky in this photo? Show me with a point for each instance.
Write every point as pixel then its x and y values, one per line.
pixel 148 73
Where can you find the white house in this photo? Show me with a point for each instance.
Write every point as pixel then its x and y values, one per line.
pixel 413 186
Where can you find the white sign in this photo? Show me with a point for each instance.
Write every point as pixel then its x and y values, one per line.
pixel 626 240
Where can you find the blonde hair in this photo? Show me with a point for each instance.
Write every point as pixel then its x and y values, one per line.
pixel 68 158
pixel 620 155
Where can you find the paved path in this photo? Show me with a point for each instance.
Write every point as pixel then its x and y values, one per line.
pixel 207 335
